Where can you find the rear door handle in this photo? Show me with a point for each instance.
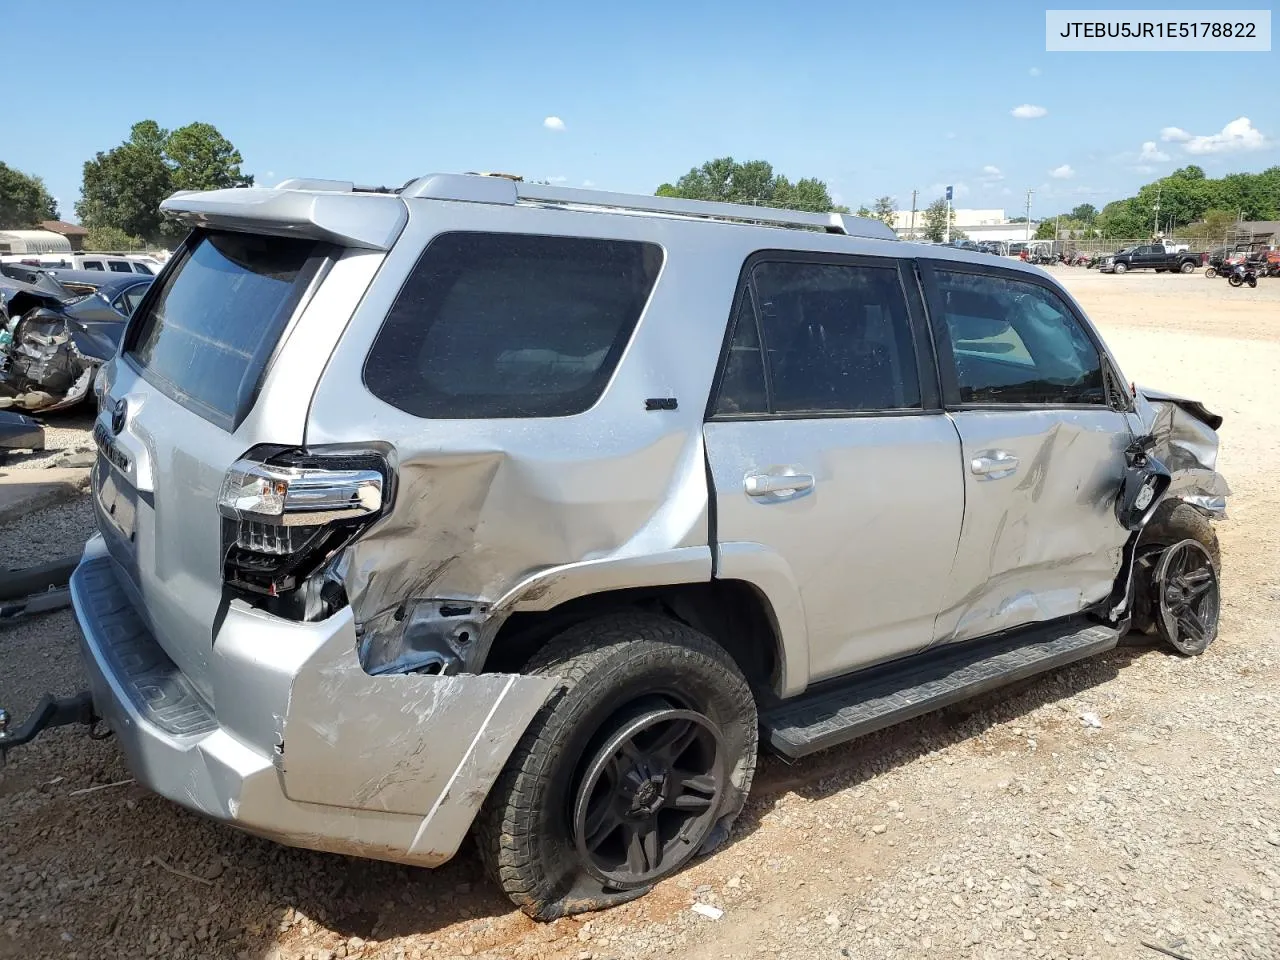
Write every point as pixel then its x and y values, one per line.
pixel 994 464
pixel 786 484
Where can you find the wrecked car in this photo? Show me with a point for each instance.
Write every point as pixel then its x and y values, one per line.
pixel 52 347
pixel 495 507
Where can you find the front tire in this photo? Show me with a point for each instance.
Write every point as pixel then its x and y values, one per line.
pixel 644 756
pixel 1178 553
pixel 1119 268
pixel 1234 280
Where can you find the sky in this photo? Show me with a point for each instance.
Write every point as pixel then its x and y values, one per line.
pixel 873 98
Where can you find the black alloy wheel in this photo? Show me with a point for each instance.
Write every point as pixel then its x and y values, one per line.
pixel 1187 597
pixel 649 796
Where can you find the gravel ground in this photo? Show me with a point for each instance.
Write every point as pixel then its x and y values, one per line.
pixel 65 434
pixel 1008 827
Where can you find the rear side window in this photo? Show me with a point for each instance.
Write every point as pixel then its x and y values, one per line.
pixel 92 265
pixel 205 339
pixel 832 338
pixel 142 268
pixel 510 325
pixel 120 266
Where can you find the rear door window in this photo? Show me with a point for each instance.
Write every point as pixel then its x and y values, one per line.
pixel 834 338
pixel 92 265
pixel 205 340
pixel 510 325
pixel 120 266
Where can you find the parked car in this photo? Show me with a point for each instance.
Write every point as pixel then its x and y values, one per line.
pixel 458 539
pixel 1152 256
pixel 102 262
pixel 51 352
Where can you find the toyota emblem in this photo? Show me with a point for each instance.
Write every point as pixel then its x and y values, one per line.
pixel 118 415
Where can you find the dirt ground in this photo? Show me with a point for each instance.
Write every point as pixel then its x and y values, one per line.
pixel 1006 828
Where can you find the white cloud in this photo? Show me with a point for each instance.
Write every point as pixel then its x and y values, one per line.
pixel 1152 154
pixel 1034 71
pixel 1028 111
pixel 991 174
pixel 1063 172
pixel 554 123
pixel 1239 134
pixel 588 183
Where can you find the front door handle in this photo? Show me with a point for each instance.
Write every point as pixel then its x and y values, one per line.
pixel 785 484
pixel 994 464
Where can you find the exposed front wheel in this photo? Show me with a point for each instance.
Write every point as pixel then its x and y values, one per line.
pixel 1177 592
pixel 1210 272
pixel 1234 280
pixel 642 758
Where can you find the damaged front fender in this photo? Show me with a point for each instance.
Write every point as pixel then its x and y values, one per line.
pixel 1185 439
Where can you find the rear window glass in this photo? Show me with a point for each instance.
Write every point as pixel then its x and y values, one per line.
pixel 205 339
pixel 510 325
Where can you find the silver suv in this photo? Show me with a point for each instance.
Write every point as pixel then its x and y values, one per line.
pixel 487 504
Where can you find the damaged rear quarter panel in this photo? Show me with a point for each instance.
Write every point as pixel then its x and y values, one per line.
pixel 488 505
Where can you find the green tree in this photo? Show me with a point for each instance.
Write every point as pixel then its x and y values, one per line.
pixel 1046 229
pixel 203 159
pixel 885 209
pixel 1124 220
pixel 753 182
pixel 24 201
pixel 124 186
pixel 935 221
pixel 1085 213
pixel 1215 226
pixel 111 238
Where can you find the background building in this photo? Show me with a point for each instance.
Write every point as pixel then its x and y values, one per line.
pixel 976 225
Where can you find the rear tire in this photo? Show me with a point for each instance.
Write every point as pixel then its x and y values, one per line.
pixel 1188 267
pixel 575 765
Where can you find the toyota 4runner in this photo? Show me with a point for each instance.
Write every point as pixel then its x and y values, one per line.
pixel 493 505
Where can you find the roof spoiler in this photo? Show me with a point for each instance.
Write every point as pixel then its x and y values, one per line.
pixel 366 220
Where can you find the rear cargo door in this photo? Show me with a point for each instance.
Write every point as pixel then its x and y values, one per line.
pixel 222 355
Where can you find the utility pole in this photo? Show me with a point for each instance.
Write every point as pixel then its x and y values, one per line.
pixel 912 233
pixel 1057 221
pixel 1157 214
pixel 946 238
pixel 1029 193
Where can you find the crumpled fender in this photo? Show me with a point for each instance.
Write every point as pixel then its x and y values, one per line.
pixel 1186 441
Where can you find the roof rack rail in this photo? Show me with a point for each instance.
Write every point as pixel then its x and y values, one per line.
pixel 488 189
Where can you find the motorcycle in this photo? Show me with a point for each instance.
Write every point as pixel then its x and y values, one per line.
pixel 1241 274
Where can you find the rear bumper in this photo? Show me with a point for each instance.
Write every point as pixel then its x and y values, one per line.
pixel 297 743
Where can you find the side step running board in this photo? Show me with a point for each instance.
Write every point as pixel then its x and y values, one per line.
pixel 838 711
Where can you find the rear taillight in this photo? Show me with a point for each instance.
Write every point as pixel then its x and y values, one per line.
pixel 285 515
